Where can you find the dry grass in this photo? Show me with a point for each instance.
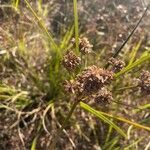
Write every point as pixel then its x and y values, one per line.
pixel 35 110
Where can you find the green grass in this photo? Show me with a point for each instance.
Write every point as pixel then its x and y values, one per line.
pixel 76 24
pixel 32 85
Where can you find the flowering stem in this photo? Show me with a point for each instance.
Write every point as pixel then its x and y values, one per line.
pixel 59 132
pixel 127 87
pixel 76 24
pixel 130 35
pixel 124 104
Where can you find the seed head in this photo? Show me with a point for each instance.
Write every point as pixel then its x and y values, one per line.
pixel 85 46
pixel 71 61
pixel 144 82
pixel 93 79
pixel 117 64
pixel 103 97
pixel 69 86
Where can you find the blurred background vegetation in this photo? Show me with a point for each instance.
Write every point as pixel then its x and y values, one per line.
pixel 34 36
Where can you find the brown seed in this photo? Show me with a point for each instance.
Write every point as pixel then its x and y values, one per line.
pixel 144 82
pixel 84 46
pixel 93 79
pixel 71 61
pixel 69 86
pixel 117 64
pixel 103 97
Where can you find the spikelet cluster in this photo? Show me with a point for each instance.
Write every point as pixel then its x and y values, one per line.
pixel 117 64
pixel 70 61
pixel 92 80
pixel 144 82
pixel 84 45
pixel 103 97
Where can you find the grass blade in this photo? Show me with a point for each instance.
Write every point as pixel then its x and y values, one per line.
pixel 133 65
pixel 83 105
pixel 76 24
pixel 67 38
pixel 132 32
pixel 102 117
pixel 34 142
pixel 17 4
pixel 133 144
pixel 42 26
pixel 33 146
pixel 146 106
pixel 51 104
pixel 111 144
pixel 134 52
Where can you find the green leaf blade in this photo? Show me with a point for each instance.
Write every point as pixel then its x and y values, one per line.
pixel 102 117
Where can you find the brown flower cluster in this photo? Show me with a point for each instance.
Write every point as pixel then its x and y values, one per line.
pixel 117 64
pixel 70 86
pixel 84 45
pixel 91 82
pixel 71 61
pixel 93 79
pixel 103 97
pixel 144 82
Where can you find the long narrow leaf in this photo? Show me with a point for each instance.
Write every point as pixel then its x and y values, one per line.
pixel 42 26
pixel 83 105
pixel 133 65
pixel 67 38
pixel 132 32
pixel 102 117
pixel 111 143
pixel 134 52
pixel 146 106
pixel 76 24
pixel 33 146
pixel 133 144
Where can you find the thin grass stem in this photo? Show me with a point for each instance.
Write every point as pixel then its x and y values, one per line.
pixel 76 24
pixel 130 35
pixel 137 125
pixel 40 22
pixel 127 87
pixel 17 4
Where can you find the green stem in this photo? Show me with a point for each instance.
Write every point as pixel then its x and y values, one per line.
pixel 42 26
pixel 130 35
pixel 76 24
pixel 17 4
pixel 108 134
pixel 59 132
pixel 127 87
